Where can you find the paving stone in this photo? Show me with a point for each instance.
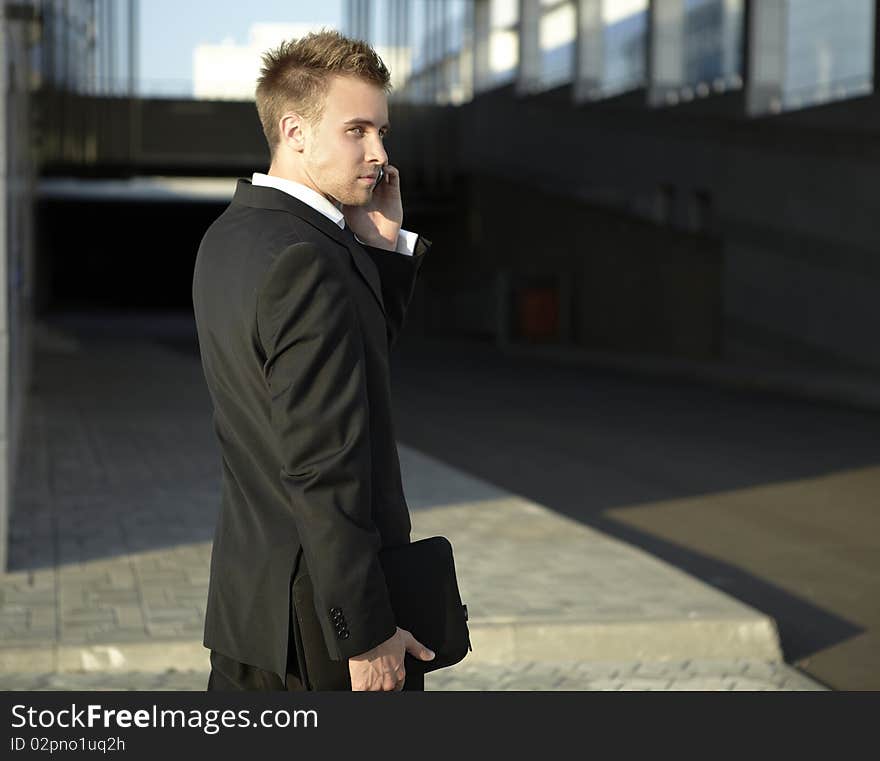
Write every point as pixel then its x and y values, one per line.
pixel 121 497
pixel 129 617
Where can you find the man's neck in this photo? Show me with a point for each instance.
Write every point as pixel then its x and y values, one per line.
pixel 293 176
pixel 317 201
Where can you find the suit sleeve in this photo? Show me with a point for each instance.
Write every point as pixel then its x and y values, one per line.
pixel 316 378
pixel 398 273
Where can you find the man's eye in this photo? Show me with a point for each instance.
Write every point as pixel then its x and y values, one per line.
pixel 360 131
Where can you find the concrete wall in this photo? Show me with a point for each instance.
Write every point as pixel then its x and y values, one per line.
pixel 620 283
pixel 791 202
pixel 89 134
pixel 5 469
pixel 761 240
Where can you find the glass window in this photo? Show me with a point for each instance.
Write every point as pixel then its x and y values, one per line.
pixel 625 26
pixel 806 52
pixel 504 41
pixel 830 51
pixel 417 22
pixel 697 50
pixel 713 44
pixel 503 13
pixel 440 50
pixel 557 34
pixel 503 55
pixel 496 42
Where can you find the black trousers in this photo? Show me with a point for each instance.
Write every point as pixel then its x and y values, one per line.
pixel 228 674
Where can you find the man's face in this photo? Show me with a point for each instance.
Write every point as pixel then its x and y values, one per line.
pixel 346 144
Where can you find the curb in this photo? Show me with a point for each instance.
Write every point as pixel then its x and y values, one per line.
pixel 495 642
pixel 715 639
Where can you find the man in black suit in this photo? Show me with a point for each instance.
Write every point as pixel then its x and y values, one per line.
pixel 300 288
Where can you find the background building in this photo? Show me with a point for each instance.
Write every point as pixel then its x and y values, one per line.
pixel 704 168
pixel 229 71
pixel 682 189
pixel 688 179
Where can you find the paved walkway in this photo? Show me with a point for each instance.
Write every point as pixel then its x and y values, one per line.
pixel 768 498
pixel 700 675
pixel 110 544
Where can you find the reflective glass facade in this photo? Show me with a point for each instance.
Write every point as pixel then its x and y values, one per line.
pixel 801 52
pixel 496 43
pixel 698 49
pixel 625 27
pixel 557 34
pixel 611 47
pixel 808 52
pixel 713 37
pixel 427 44
pixel 88 46
pixel 829 52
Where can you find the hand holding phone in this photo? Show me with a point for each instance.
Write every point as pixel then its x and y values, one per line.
pixel 377 221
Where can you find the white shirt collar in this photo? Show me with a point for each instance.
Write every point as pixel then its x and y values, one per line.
pixel 303 193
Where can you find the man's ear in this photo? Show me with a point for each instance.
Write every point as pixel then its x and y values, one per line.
pixel 291 129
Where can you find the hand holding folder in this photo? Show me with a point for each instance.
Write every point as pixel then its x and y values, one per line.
pixel 424 593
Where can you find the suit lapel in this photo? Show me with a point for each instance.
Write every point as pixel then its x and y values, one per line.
pixel 362 260
pixel 272 198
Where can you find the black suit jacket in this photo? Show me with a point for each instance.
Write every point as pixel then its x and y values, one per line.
pixel 295 320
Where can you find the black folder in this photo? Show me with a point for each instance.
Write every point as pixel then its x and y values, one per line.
pixel 424 594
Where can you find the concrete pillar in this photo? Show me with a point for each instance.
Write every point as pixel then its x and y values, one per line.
pixel 133 40
pixel 667 49
pixel 445 66
pixel 589 50
pixel 876 72
pixel 732 33
pixel 482 32
pixel 5 508
pixel 431 53
pixel 358 21
pixel 112 29
pixel 16 249
pixel 397 42
pixel 767 41
pixel 439 73
pixel 529 75
pixel 466 62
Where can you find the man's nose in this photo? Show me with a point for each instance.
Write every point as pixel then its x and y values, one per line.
pixel 377 152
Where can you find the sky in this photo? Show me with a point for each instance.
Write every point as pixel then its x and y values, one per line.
pixel 170 29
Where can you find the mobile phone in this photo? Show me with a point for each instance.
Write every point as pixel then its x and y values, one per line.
pixel 380 177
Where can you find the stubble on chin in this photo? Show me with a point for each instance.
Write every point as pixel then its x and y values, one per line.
pixel 358 199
